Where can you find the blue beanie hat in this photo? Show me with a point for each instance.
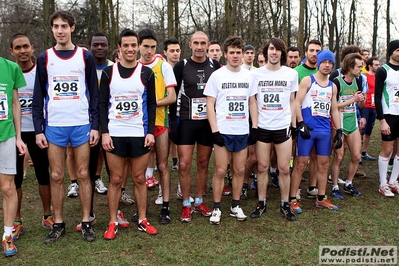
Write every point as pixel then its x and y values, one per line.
pixel 325 55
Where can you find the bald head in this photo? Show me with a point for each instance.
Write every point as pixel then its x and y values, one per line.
pixel 199 44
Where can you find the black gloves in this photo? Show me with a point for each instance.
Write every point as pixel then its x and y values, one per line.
pixel 338 138
pixel 253 136
pixel 304 130
pixel 217 139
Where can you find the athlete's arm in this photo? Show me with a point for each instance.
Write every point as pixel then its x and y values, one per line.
pixel 16 112
pixel 210 110
pixel 107 142
pixel 92 85
pixel 178 71
pixel 151 102
pixel 170 81
pixel 357 97
pixel 39 93
pixel 300 96
pixel 334 108
pixel 380 77
pixel 293 109
pixel 253 111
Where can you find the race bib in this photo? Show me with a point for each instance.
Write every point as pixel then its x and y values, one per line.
pixel 3 106
pixel 272 99
pixel 321 103
pixel 396 95
pixel 25 98
pixel 350 108
pixel 198 109
pixel 65 88
pixel 236 107
pixel 127 106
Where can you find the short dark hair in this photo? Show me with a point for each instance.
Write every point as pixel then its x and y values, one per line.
pixel 233 41
pixel 293 49
pixel 127 33
pixel 147 34
pixel 280 45
pixel 370 62
pixel 317 42
pixel 350 61
pixel 349 49
pixel 115 54
pixel 169 41
pixel 64 15
pixel 98 34
pixel 365 50
pixel 214 42
pixel 16 36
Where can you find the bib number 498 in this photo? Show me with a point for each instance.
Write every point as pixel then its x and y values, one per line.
pixel 65 86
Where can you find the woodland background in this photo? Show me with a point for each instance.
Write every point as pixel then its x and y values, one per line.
pixel 335 23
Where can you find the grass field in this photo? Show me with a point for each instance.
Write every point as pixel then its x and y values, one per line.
pixel 269 240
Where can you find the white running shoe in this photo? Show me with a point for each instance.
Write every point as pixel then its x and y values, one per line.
pixel 298 194
pixel 73 190
pixel 386 191
pixel 126 198
pixel 215 216
pixel 180 195
pixel 100 187
pixel 159 200
pixel 238 213
pixel 122 222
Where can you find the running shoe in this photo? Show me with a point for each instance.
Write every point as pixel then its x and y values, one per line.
pixel 164 217
pixel 298 195
pixel 48 222
pixel 215 217
pixel 175 167
pixel 287 212
pixel 100 187
pixel 238 213
pixel 87 232
pixel 73 190
pixel 111 231
pixel 326 203
pixel 126 198
pixel 386 191
pixel 295 207
pixel 92 220
pixel 17 230
pixel 151 182
pixel 254 184
pixel 186 214
pixel 336 193
pixel 226 191
pixel 340 181
pixel 120 218
pixel 394 187
pixel 9 247
pixel 351 189
pixel 312 194
pixel 159 200
pixel 145 226
pixel 259 210
pixel 201 208
pixel 56 232
pixel 244 192
pixel 274 177
pixel 390 166
pixel 180 195
pixel 135 217
pixel 359 173
pixel 366 156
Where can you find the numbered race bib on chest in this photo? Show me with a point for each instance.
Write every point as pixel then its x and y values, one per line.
pixel 127 106
pixel 396 95
pixel 321 103
pixel 236 107
pixel 198 109
pixel 25 98
pixel 272 99
pixel 350 108
pixel 3 106
pixel 65 88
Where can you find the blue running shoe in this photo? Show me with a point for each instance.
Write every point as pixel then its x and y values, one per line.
pixel 350 189
pixel 336 193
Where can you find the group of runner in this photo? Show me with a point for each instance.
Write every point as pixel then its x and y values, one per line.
pixel 255 119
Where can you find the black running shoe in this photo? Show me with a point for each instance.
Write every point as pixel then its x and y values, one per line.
pixel 258 211
pixel 244 192
pixel 55 233
pixel 87 232
pixel 135 218
pixel 274 177
pixel 287 212
pixel 164 218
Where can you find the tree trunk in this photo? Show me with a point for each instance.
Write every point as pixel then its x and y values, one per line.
pixel 301 24
pixel 48 10
pixel 388 21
